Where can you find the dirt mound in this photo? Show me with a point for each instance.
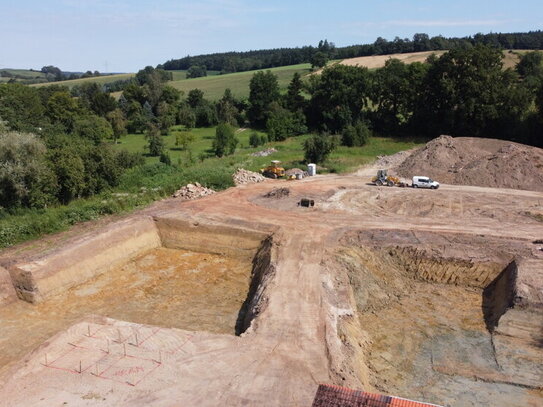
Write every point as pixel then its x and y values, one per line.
pixel 278 193
pixel 242 177
pixel 477 161
pixel 192 191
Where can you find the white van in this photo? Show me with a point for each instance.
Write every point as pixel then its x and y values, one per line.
pixel 424 182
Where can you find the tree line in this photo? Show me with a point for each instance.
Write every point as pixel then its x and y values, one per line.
pixel 55 145
pixel 228 62
pixel 465 92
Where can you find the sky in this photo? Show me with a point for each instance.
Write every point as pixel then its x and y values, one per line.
pixel 127 35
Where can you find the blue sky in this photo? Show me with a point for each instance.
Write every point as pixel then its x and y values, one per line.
pixel 126 35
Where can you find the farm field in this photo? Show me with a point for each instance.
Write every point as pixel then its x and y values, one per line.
pixel 214 86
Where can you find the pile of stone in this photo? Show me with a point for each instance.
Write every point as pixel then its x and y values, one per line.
pixel 264 153
pixel 294 171
pixel 243 176
pixel 192 191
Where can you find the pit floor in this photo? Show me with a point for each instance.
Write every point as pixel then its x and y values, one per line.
pixel 163 287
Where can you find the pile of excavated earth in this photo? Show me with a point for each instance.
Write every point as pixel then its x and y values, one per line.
pixel 247 298
pixel 479 162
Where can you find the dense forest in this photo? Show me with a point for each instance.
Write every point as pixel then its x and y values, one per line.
pixel 228 62
pixel 55 144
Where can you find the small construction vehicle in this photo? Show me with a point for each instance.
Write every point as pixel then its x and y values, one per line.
pixel 382 178
pixel 273 170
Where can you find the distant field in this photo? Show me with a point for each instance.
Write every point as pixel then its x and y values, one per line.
pixel 25 73
pixel 510 58
pixel 213 86
pixel 98 79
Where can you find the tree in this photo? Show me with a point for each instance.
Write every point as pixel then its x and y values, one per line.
pixel 318 148
pixel 118 123
pixel 184 139
pixel 319 60
pixel 195 98
pixel 196 71
pixel 226 109
pixel 467 93
pixel 339 97
pixel 92 127
pixel 530 68
pixel 154 140
pixel 25 178
pixel 225 141
pixel 264 89
pixel 63 109
pixel 282 124
pixel 294 99
pixel 70 172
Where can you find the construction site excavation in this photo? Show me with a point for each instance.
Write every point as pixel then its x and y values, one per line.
pixel 248 298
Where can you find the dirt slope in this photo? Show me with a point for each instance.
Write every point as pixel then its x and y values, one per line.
pixel 478 162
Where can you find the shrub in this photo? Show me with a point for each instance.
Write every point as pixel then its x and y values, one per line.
pixel 318 148
pixel 356 136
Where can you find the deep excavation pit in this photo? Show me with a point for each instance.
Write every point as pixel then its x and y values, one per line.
pixel 197 279
pixel 421 326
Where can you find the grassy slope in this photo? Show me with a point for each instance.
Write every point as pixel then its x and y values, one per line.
pixel 97 79
pixel 214 86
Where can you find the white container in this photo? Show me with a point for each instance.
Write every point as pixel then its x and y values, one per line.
pixel 312 169
pixel 299 175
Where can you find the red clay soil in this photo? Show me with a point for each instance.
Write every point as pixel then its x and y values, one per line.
pixel 478 162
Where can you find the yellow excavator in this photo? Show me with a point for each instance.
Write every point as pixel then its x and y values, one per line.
pixel 273 170
pixel 382 178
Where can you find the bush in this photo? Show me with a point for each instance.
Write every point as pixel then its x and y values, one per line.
pixel 356 136
pixel 318 148
pixel 165 158
pixel 126 159
pixel 256 139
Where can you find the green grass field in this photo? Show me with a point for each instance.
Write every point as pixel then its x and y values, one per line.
pixel 98 79
pixel 290 152
pixel 213 86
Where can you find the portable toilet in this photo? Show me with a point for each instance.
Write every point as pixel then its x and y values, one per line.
pixel 312 169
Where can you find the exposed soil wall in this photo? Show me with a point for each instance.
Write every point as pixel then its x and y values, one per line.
pixel 90 256
pixel 263 271
pixel 499 295
pixel 7 291
pixel 208 238
pixel 429 267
